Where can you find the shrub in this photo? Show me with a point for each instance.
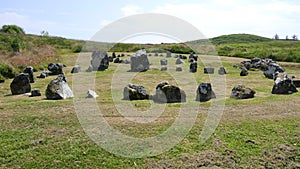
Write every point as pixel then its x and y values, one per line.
pixel 7 71
pixel 12 29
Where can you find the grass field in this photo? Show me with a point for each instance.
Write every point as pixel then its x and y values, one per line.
pixel 263 132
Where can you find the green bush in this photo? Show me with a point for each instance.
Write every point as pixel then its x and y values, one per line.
pixel 7 71
pixel 12 29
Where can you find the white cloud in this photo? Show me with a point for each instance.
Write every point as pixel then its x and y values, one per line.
pixel 8 18
pixel 131 10
pixel 231 16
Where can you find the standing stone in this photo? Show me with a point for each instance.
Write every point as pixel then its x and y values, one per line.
pixel 194 57
pixel 113 55
pixel 222 71
pixel 283 85
pixel 20 84
pixel 209 70
pixel 91 94
pixel 139 61
pixel 156 54
pixel 178 69
pixel 35 92
pixel 205 92
pixel 242 92
pixel 168 54
pixel 178 61
pixel 191 60
pixel 135 92
pixel 164 68
pixel 58 89
pixel 166 93
pixel 100 61
pixel 244 72
pixel 164 62
pixel 29 71
pixel 193 67
pixel 55 68
pixel 76 69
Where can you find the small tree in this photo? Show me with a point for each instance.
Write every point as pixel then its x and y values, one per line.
pixel 15 45
pixel 44 33
pixel 12 29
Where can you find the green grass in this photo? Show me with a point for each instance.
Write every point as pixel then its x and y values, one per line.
pixel 39 133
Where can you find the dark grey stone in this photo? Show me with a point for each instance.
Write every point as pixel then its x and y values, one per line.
pixel 139 61
pixel 91 94
pixel 178 69
pixel 2 80
pixel 164 68
pixel 100 61
pixel 76 69
pixel 193 67
pixel 55 68
pixel 164 62
pixel 43 75
pixel 20 84
pixel 135 92
pixel 209 70
pixel 244 72
pixel 166 93
pixel 58 89
pixel 242 92
pixel 118 60
pixel 178 61
pixel 205 92
pixel 29 71
pixel 283 85
pixel 271 71
pixel 222 71
pixel 35 92
pixel 168 54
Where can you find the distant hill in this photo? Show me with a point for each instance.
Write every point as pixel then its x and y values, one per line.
pixel 238 38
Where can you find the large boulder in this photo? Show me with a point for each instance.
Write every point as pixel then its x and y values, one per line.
pixel 244 72
pixel 272 70
pixel 20 84
pixel 205 92
pixel 135 92
pixel 283 85
pixel 58 89
pixel 166 93
pixel 193 67
pixel 29 71
pixel 55 68
pixel 242 92
pixel 139 61
pixel 99 62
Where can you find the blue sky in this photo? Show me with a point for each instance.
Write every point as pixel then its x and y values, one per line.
pixel 82 19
